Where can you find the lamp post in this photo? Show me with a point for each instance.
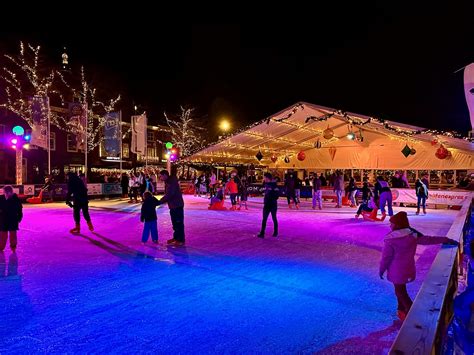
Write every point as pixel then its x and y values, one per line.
pixel 18 142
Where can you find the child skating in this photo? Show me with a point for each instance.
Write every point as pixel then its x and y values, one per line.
pixel 398 258
pixel 149 218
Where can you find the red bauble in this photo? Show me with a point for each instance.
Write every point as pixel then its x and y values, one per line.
pixel 274 158
pixel 301 156
pixel 442 153
pixel 434 142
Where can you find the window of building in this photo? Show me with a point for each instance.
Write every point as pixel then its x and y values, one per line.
pixel 125 150
pixel 71 143
pixel 150 136
pixel 52 140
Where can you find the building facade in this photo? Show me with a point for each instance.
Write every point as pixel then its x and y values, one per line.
pixel 65 157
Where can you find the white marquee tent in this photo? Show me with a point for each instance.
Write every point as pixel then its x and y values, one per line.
pixel 321 133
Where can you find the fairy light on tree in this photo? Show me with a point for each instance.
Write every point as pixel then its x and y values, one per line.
pixel 185 131
pixel 25 77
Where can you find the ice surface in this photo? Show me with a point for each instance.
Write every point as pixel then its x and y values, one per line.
pixel 315 288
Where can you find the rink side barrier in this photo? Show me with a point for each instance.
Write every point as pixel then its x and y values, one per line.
pixel 60 190
pixel 424 329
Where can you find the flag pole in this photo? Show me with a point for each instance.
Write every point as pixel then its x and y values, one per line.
pixel 86 142
pixel 121 142
pixel 146 142
pixel 49 138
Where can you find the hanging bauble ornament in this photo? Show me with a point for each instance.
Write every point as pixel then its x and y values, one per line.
pixel 287 159
pixel 332 152
pixel 442 152
pixel 259 156
pixel 406 151
pixel 317 144
pixel 274 158
pixel 328 133
pixel 412 151
pixel 301 156
pixel 434 142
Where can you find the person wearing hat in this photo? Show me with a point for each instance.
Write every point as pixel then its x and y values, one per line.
pixel 398 257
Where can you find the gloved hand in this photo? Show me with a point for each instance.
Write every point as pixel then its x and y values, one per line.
pixel 452 242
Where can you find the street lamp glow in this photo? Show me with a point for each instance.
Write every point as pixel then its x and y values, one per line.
pixel 224 125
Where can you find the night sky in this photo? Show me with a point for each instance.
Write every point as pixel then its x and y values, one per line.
pixel 382 61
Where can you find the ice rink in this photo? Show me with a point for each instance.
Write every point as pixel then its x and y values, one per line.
pixel 314 289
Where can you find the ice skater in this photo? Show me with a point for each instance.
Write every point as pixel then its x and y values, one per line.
pixel 148 217
pixel 78 200
pixel 339 188
pixel 175 201
pixel 398 257
pixel 421 189
pixel 11 214
pixel 243 190
pixel 290 187
pixel 385 196
pixel 317 192
pixel 367 207
pixel 351 192
pixel 270 204
pixel 233 190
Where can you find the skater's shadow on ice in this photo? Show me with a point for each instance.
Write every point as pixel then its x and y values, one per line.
pixel 9 270
pixel 377 342
pixel 115 248
pixel 18 310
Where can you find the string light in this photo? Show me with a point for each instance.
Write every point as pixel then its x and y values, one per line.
pixel 371 123
pixel 185 132
pixel 28 77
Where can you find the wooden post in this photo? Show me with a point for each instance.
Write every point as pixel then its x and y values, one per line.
pixel 19 166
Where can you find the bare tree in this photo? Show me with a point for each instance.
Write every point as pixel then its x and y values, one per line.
pixel 186 133
pixel 25 76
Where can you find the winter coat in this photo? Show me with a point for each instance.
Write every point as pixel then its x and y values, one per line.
pixel 124 182
pixel 398 255
pixel 232 187
pixel 339 183
pixel 76 191
pixel 272 192
pixel 317 184
pixel 173 195
pixel 352 186
pixel 366 193
pixel 148 211
pixel 11 213
pixel 290 185
pixel 421 189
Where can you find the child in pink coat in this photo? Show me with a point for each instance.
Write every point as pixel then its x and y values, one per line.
pixel 398 257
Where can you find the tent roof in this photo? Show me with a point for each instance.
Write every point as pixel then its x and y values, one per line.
pixel 298 128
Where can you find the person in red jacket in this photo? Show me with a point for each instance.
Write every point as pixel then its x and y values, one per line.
pixel 398 257
pixel 232 188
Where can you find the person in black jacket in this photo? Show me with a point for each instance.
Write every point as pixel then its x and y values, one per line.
pixel 175 201
pixel 11 214
pixel 77 199
pixel 124 184
pixel 48 187
pixel 148 216
pixel 270 204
